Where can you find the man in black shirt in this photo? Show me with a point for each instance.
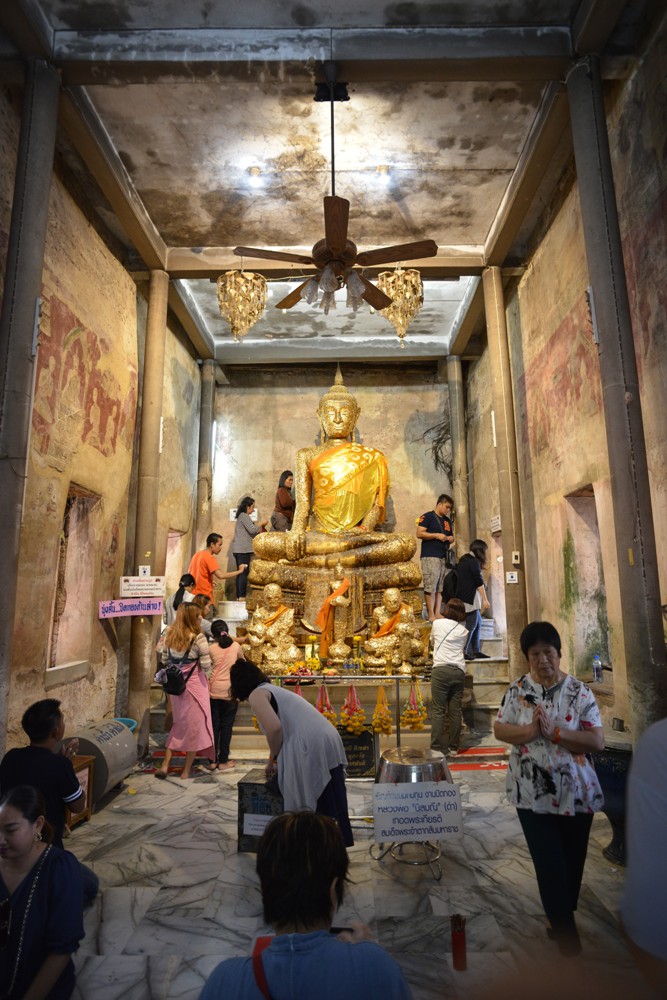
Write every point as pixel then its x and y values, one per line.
pixel 436 533
pixel 50 771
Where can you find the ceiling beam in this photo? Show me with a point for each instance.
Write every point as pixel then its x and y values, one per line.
pixel 210 262
pixel 26 25
pixel 92 142
pixel 550 122
pixel 185 309
pixel 403 53
pixel 469 314
pixel 594 23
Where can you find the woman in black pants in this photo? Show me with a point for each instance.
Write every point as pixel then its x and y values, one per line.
pixel 470 589
pixel 552 721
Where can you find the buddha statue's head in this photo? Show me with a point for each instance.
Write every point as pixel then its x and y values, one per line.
pixel 273 596
pixel 391 600
pixel 338 410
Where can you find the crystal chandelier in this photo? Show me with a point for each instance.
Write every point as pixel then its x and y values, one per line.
pixel 242 300
pixel 405 290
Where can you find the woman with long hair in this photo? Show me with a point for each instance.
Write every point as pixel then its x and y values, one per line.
pixel 185 592
pixel 224 652
pixel 471 590
pixel 192 730
pixel 245 531
pixel 41 909
pixel 306 752
pixel 283 512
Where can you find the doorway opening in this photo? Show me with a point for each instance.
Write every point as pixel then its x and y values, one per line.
pixel 74 600
pixel 585 598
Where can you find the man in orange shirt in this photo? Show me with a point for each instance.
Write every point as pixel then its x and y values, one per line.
pixel 205 569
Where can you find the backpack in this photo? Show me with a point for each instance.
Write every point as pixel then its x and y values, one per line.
pixel 450 585
pixel 175 680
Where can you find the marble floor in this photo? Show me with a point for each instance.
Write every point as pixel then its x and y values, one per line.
pixel 177 898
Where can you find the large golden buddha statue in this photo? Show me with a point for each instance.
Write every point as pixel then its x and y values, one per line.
pixel 341 493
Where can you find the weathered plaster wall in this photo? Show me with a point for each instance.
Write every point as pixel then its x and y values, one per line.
pixel 260 429
pixel 180 446
pixel 82 433
pixel 484 490
pixel 557 392
pixel 9 137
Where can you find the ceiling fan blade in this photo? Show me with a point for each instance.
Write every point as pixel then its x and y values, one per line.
pixel 373 295
pixel 336 214
pixel 272 255
pixel 403 251
pixel 292 297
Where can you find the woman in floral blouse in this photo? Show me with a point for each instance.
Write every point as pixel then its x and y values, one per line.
pixel 552 721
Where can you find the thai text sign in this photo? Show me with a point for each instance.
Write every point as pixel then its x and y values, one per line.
pixel 134 606
pixel 141 586
pixel 421 810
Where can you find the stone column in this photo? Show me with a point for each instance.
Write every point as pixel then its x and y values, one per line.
pixel 18 331
pixel 143 633
pixel 459 454
pixel 205 467
pixel 643 637
pixel 507 464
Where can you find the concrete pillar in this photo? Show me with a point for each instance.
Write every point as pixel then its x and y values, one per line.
pixel 18 331
pixel 143 633
pixel 205 467
pixel 459 454
pixel 630 492
pixel 507 464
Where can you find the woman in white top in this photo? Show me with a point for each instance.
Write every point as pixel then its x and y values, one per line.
pixel 448 638
pixel 245 531
pixel 306 751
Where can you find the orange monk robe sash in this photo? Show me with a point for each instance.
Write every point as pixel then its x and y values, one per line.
pixel 391 624
pixel 275 616
pixel 348 479
pixel 325 617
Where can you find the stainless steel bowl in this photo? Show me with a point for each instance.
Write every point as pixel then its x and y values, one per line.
pixel 406 764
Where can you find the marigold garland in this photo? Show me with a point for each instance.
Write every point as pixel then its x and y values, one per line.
pixel 382 715
pixel 324 706
pixel 352 715
pixel 413 715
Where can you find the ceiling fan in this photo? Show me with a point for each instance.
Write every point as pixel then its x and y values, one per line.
pixel 335 257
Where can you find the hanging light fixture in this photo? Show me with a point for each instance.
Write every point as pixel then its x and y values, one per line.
pixel 242 300
pixel 405 290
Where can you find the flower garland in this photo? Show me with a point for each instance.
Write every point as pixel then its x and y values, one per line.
pixel 382 715
pixel 324 706
pixel 352 715
pixel 413 715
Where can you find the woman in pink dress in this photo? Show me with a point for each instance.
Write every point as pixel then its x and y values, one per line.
pixel 192 729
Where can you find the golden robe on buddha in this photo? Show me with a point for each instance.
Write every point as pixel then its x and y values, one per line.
pixel 348 479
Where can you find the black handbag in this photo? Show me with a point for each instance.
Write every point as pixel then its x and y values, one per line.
pixel 175 680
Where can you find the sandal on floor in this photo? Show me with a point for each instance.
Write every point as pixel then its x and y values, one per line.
pixel 160 775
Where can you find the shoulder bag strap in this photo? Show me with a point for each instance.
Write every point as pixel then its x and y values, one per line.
pixel 258 966
pixel 446 636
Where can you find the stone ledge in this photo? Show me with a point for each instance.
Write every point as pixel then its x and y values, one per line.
pixel 66 673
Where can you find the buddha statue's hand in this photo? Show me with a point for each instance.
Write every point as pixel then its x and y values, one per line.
pixel 295 545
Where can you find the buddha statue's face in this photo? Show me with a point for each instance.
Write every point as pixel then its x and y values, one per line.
pixel 273 596
pixel 391 599
pixel 338 416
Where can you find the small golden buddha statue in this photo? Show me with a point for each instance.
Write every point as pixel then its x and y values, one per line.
pixel 348 483
pixel 270 643
pixel 395 645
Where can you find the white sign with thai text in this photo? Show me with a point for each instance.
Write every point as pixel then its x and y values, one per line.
pixel 254 824
pixel 142 586
pixel 417 811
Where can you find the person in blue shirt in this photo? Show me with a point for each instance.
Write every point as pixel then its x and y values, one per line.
pixel 434 528
pixel 303 871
